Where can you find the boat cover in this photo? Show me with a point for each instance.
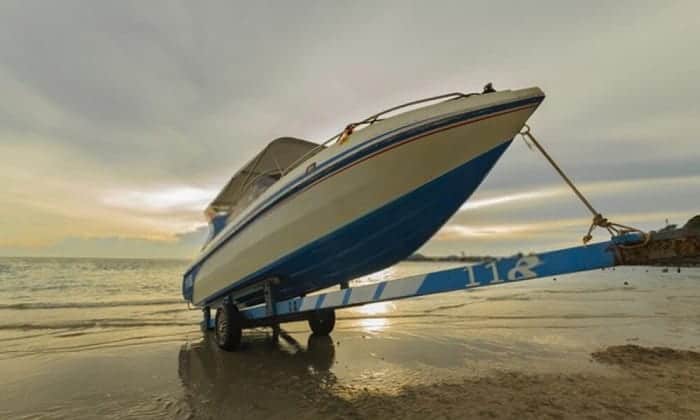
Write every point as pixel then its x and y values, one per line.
pixel 259 174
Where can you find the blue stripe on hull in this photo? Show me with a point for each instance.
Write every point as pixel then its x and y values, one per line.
pixel 377 240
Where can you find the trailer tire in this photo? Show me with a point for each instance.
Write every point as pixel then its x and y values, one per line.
pixel 322 322
pixel 228 327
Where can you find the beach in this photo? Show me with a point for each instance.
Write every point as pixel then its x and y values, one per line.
pixel 87 338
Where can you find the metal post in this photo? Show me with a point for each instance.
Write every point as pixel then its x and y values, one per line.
pixel 206 319
pixel 271 306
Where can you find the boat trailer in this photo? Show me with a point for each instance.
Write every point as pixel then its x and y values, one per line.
pixel 669 247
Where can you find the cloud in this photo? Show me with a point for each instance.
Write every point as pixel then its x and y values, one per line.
pixel 609 191
pixel 507 239
pixel 184 245
pixel 503 221
pixel 161 201
pixel 119 120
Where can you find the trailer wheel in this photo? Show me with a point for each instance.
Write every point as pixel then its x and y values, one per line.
pixel 228 327
pixel 322 322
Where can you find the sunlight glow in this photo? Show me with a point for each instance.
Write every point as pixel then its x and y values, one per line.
pixel 376 308
pixel 386 274
pixel 509 198
pixel 461 231
pixel 596 188
pixel 167 199
pixel 373 325
pixel 454 232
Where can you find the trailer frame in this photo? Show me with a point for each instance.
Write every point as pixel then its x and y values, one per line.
pixel 669 247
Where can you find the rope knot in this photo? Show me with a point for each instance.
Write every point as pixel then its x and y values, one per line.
pixel 346 133
pixel 600 221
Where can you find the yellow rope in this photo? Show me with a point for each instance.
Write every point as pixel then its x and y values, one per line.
pixel 615 229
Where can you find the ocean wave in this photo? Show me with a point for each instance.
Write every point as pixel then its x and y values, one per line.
pixel 94 323
pixel 79 305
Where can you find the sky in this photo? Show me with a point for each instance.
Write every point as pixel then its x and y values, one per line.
pixel 120 121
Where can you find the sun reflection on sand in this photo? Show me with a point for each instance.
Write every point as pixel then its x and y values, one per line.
pixel 375 323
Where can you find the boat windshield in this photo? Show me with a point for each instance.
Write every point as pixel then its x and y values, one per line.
pixel 263 171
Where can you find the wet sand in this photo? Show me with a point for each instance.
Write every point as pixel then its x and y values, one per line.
pixel 272 381
pixel 588 346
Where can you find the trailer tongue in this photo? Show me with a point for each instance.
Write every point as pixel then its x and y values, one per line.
pixel 679 247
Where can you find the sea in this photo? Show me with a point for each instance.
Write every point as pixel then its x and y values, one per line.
pixel 112 338
pixel 73 304
pixel 46 302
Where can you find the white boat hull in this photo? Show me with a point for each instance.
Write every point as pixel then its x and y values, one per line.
pixel 386 161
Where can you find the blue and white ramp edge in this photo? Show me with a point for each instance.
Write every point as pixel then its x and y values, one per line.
pixel 502 271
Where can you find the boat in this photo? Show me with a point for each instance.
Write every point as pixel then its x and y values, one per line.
pixel 310 216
